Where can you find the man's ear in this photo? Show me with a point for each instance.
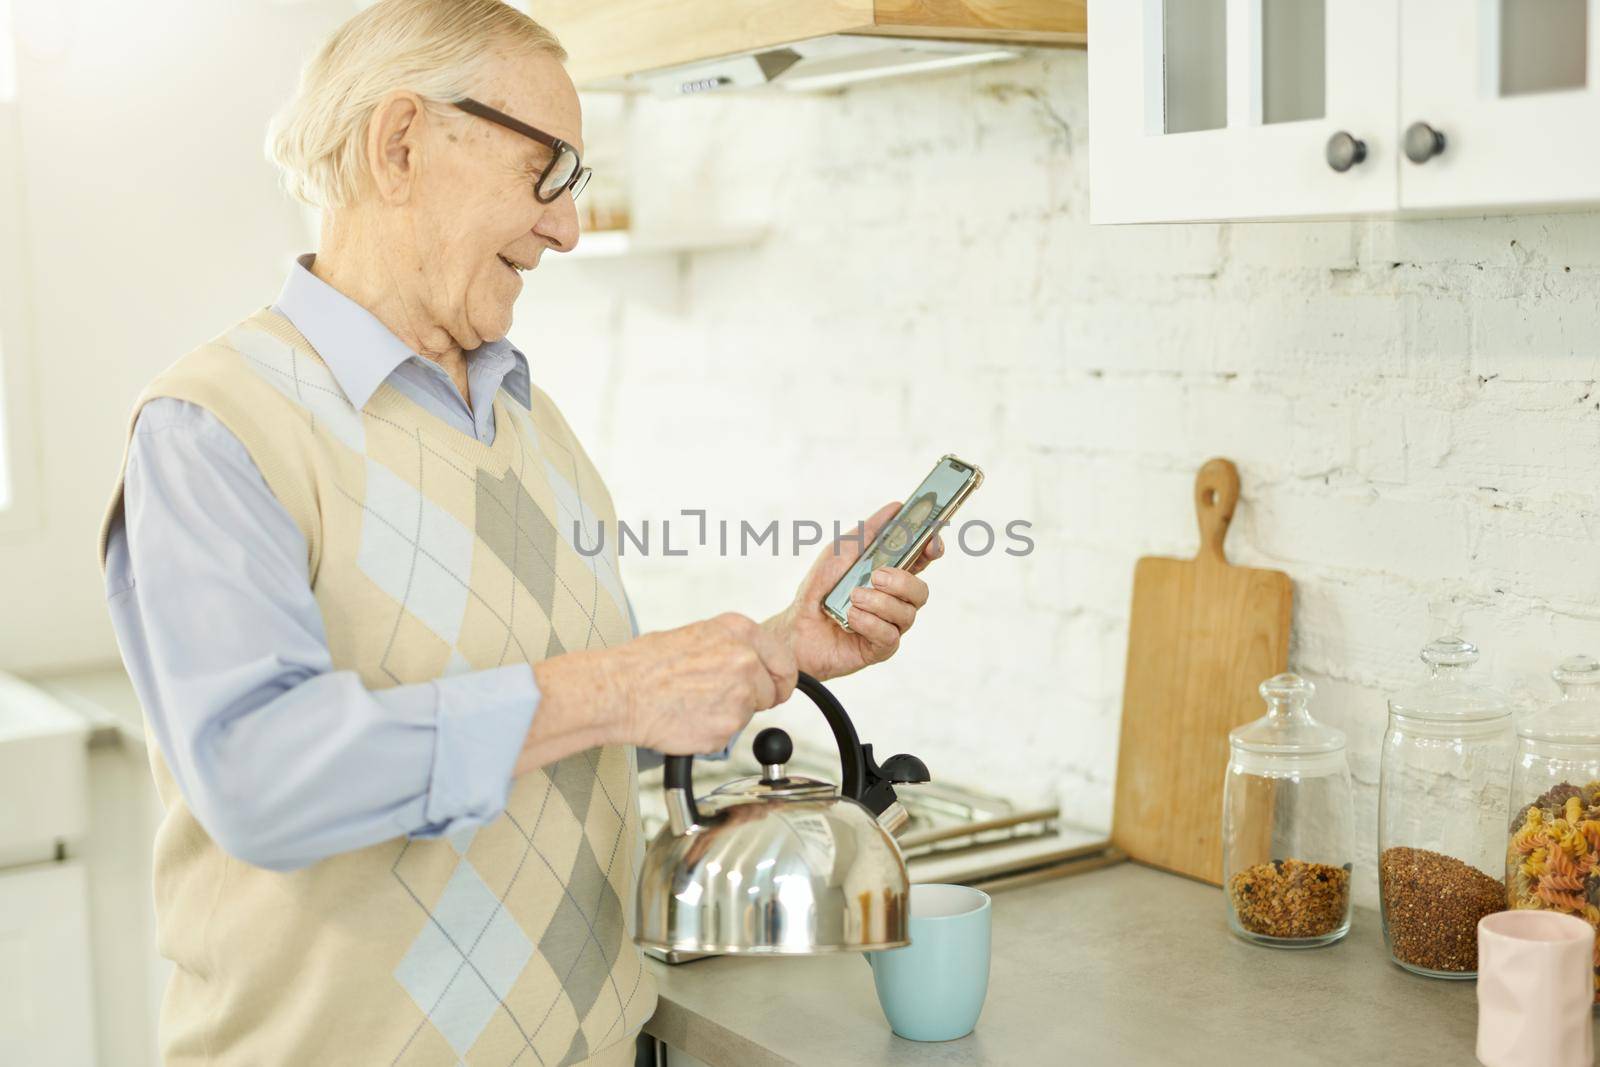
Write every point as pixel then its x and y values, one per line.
pixel 393 145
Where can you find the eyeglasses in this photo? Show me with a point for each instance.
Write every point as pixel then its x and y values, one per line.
pixel 564 171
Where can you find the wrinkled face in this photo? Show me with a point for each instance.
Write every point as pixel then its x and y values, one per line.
pixel 477 223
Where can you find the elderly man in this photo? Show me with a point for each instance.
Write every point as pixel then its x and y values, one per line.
pixel 395 709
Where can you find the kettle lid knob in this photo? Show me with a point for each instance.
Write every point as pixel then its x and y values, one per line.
pixel 773 748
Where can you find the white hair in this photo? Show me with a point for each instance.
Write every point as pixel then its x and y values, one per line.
pixel 434 48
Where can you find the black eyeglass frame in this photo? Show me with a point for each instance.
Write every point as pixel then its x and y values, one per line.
pixel 580 173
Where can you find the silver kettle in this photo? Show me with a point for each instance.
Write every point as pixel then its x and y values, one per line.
pixel 778 864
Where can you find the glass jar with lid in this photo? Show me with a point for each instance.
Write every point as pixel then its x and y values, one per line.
pixel 1553 850
pixel 1442 799
pixel 1288 824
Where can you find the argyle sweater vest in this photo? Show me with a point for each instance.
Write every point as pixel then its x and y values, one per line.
pixel 429 553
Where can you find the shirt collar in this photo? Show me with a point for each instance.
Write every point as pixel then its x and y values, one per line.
pixel 359 350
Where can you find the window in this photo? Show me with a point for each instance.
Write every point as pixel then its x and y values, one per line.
pixel 8 56
pixel 5 439
pixel 14 479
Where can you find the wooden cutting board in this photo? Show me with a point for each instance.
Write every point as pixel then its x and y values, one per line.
pixel 1202 636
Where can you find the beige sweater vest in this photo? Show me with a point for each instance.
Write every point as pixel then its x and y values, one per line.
pixel 429 553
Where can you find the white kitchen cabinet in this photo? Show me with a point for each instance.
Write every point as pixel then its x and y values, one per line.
pixel 1513 87
pixel 46 998
pixel 129 974
pixel 1223 109
pixel 44 768
pixel 1248 109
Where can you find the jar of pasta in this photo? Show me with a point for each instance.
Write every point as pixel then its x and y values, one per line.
pixel 1287 824
pixel 1442 801
pixel 1553 853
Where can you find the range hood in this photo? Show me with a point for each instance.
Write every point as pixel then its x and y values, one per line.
pixel 678 47
pixel 816 64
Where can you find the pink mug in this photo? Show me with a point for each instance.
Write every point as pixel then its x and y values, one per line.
pixel 1535 990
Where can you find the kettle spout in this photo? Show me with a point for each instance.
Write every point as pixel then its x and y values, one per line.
pixel 879 795
pixel 894 818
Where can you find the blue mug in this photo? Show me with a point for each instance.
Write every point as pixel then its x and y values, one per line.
pixel 933 989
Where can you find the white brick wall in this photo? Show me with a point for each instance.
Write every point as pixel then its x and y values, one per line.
pixel 1412 406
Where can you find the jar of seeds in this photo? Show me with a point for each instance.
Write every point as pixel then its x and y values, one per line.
pixel 1553 850
pixel 1287 824
pixel 1442 799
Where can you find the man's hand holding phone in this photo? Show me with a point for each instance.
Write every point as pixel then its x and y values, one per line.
pixel 879 613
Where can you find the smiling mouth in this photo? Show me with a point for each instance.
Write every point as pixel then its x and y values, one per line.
pixel 514 265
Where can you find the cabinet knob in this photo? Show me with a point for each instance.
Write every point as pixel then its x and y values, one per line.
pixel 1423 142
pixel 1345 151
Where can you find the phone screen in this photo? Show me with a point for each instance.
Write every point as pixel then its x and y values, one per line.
pixel 903 533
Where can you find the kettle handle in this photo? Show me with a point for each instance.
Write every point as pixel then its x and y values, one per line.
pixel 678 779
pixel 678 776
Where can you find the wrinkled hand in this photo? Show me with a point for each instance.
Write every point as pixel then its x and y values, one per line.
pixel 879 614
pixel 692 689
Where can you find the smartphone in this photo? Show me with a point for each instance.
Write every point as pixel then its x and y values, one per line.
pixel 904 536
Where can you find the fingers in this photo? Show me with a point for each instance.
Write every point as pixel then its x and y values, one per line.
pixel 763 687
pixel 774 667
pixel 896 612
pixel 902 584
pixel 881 635
pixel 894 597
pixel 932 551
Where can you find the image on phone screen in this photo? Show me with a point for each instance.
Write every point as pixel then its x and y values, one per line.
pixel 904 533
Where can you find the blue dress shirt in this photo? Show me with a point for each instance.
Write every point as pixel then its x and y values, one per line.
pixel 283 759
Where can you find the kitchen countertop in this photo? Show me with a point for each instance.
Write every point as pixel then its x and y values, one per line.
pixel 104 696
pixel 1125 965
pixel 1122 965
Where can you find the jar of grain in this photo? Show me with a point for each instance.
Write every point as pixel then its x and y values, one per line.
pixel 1442 799
pixel 1553 850
pixel 1287 824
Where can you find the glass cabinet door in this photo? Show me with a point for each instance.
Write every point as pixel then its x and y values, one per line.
pixel 1194 65
pixel 1241 109
pixel 1499 103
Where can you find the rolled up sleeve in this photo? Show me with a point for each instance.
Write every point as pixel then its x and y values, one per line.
pixel 479 725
